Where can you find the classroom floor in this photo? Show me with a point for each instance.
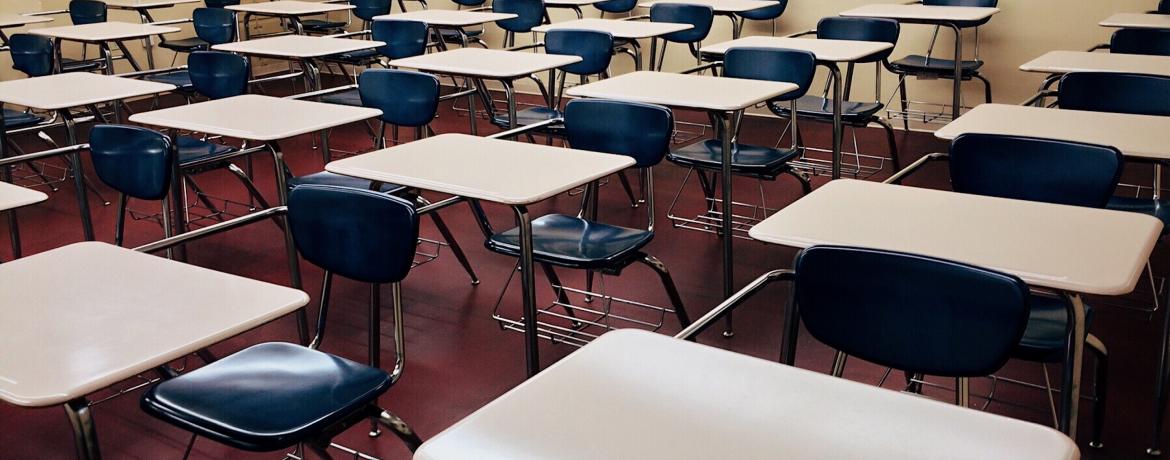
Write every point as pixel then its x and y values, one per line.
pixel 458 358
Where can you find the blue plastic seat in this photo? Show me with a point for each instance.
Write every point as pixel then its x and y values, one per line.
pixel 180 78
pixel 572 242
pixel 14 119
pixel 220 3
pixel 213 26
pixel 134 161
pixel 529 14
pixel 1153 42
pixel 615 6
pixel 33 55
pixel 767 13
pixel 338 180
pixel 403 39
pixel 759 162
pixel 700 17
pixel 276 395
pixel 83 12
pixel 1163 7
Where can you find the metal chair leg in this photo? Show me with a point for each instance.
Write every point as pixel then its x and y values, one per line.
pixel 455 248
pixel 244 179
pixel 671 290
pixel 400 429
pixel 1100 387
pixel 892 143
pixel 120 223
pixel 629 190
pixel 986 87
pixel 905 103
pixel 839 364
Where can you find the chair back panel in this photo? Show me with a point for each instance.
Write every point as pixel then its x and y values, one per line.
pixel 1154 42
pixel 861 29
pixel 403 38
pixel 529 14
pixel 637 130
pixel 220 3
pixel 366 10
pixel 772 64
pixel 406 98
pixel 31 54
pixel 218 75
pixel 1115 92
pixel 616 6
pixel 700 17
pixel 83 12
pixel 595 49
pixel 133 160
pixel 215 25
pixel 765 13
pixel 975 3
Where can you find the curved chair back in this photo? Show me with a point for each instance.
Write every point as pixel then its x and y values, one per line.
pixel 220 3
pixel 469 2
pixel 910 312
pixel 403 38
pixel 359 234
pixel 529 14
pixel 86 12
pixel 132 160
pixel 976 3
pixel 1153 42
pixel 217 75
pixel 31 54
pixel 366 10
pixel 863 29
pixel 595 49
pixel 772 64
pixel 406 98
pixel 215 25
pixel 1027 168
pixel 765 13
pixel 616 6
pixel 639 131
pixel 699 17
pixel 1115 92
pixel 1163 7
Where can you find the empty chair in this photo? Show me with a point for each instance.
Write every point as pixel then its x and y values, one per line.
pixel 213 26
pixel 365 10
pixel 274 396
pixel 1163 7
pixel 615 6
pixel 220 3
pixel 854 114
pixel 1049 171
pixel 639 131
pixel 767 13
pixel 402 38
pixel 1154 42
pixel 83 12
pixel 700 17
pixel 33 55
pixel 529 14
pixel 137 163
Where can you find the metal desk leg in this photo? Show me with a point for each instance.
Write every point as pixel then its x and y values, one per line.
pixel 528 284
pixel 78 174
pixel 510 92
pixel 957 97
pixel 1071 386
pixel 838 124
pixel 294 266
pixel 727 131
pixel 13 225
pixel 148 41
pixel 653 52
pixel 84 431
pixel 1161 389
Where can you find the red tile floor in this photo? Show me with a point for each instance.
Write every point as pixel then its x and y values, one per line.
pixel 458 358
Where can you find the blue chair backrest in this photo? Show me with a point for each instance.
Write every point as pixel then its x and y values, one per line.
pixel 132 160
pixel 863 29
pixel 977 3
pixel 1141 41
pixel 220 3
pixel 529 14
pixel 699 17
pixel 768 12
pixel 1027 168
pixel 217 75
pixel 367 9
pixel 469 2
pixel 639 131
pixel 595 49
pixel 1163 7
pixel 406 98
pixel 359 234
pixel 402 38
pixel 86 12
pixel 772 64
pixel 31 54
pixel 215 25
pixel 1115 92
pixel 910 312
pixel 616 6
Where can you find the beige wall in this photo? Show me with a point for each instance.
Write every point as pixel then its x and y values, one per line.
pixel 1023 30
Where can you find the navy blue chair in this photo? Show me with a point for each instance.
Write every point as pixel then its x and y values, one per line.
pixel 137 163
pixel 1163 7
pixel 700 17
pixel 247 400
pixel 213 26
pixel 615 6
pixel 1154 42
pixel 220 3
pixel 403 39
pixel 365 10
pixel 33 56
pixel 758 162
pixel 83 12
pixel 529 14
pixel 919 314
pixel 856 115
pixel 596 51
pixel 928 66
pixel 639 131
pixel 767 13
pixel 1049 171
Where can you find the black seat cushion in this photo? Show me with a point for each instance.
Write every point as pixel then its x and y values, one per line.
pixel 328 178
pixel 918 64
pixel 319 25
pixel 16 119
pixel 452 35
pixel 1149 206
pixel 350 97
pixel 569 241
pixel 74 65
pixel 747 160
pixel 180 78
pixel 529 116
pixel 267 397
pixel 820 108
pixel 186 45
pixel 1044 338
pixel 355 57
pixel 193 149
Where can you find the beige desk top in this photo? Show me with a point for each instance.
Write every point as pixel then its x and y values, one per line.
pixel 255 117
pixel 1141 136
pixel 825 50
pixel 290 8
pixel 1075 249
pixel 619 29
pixel 449 18
pixel 103 31
pixel 75 89
pixel 1084 61
pixel 492 64
pixel 688 91
pixel 505 172
pixel 15 196
pixel 633 394
pixel 16 20
pixel 1137 21
pixel 297 46
pixel 922 12
pixel 147 4
pixel 79 318
pixel 720 6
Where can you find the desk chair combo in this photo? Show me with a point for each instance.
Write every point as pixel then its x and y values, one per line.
pixel 213 26
pixel 403 39
pixel 584 242
pixel 245 401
